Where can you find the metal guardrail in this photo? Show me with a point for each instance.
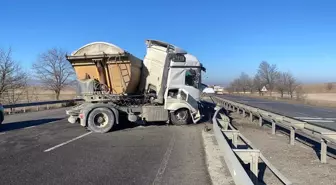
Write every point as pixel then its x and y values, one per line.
pixel 224 131
pixel 320 134
pixel 23 105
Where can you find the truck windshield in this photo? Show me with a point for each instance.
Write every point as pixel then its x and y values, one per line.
pixel 192 78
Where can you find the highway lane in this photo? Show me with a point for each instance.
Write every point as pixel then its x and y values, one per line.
pixel 131 155
pixel 31 119
pixel 325 117
pixel 52 113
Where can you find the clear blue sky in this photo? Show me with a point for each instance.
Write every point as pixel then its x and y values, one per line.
pixel 227 36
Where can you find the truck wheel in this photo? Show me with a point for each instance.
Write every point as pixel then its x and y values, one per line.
pixel 180 117
pixel 101 120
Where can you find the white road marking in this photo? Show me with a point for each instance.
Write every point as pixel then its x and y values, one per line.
pixel 315 118
pixel 300 113
pixel 164 162
pixel 307 118
pixel 319 120
pixel 29 127
pixel 244 101
pixel 67 142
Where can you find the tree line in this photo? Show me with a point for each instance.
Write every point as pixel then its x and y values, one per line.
pixel 51 70
pixel 267 76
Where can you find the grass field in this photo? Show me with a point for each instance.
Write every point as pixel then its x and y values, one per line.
pixel 36 94
pixel 319 88
pixel 312 94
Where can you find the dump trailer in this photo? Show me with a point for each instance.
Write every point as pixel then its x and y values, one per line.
pixel 165 86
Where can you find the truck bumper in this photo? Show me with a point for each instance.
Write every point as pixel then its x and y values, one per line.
pixel 196 116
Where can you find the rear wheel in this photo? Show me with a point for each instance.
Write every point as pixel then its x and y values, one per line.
pixel 180 117
pixel 101 120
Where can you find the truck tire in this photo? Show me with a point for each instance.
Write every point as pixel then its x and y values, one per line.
pixel 101 120
pixel 180 117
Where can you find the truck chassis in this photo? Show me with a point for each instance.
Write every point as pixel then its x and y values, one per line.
pixel 100 113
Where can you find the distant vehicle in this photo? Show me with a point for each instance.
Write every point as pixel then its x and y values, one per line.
pixel 209 90
pixel 2 113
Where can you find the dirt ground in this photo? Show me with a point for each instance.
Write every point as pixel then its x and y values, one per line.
pixel 299 163
pixel 218 171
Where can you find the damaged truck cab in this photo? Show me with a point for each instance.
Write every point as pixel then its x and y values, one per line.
pixel 166 86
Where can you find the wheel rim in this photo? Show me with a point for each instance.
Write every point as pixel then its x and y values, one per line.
pixel 101 120
pixel 181 115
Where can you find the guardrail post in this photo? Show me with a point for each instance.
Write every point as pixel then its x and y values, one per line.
pixel 273 127
pixel 235 139
pixel 251 157
pixel 260 121
pixel 292 136
pixel 244 115
pixel 323 152
pixel 47 106
pixel 254 166
pixel 24 109
pixel 37 108
pixel 251 117
pixel 238 110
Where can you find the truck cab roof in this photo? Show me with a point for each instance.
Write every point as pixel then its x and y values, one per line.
pixel 167 46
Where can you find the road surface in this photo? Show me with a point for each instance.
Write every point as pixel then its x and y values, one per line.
pixel 42 148
pixel 325 117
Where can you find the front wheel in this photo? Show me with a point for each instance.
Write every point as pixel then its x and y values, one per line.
pixel 101 120
pixel 180 117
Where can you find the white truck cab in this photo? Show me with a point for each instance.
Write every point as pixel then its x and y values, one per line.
pixel 175 76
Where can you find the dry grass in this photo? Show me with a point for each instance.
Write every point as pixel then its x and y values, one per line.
pixel 35 94
pixel 312 94
pixel 318 88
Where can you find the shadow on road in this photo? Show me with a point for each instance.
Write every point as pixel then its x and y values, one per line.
pixel 24 124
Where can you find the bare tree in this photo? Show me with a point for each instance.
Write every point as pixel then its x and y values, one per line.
pixel 292 84
pixel 250 85
pixel 258 84
pixel 14 94
pixel 268 74
pixel 329 86
pixel 234 86
pixel 300 94
pixel 282 83
pixel 244 82
pixel 32 94
pixel 53 70
pixel 12 77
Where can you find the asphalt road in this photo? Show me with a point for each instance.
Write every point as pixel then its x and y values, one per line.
pixel 42 148
pixel 325 117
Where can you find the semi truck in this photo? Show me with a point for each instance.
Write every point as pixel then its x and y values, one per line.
pixel 114 84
